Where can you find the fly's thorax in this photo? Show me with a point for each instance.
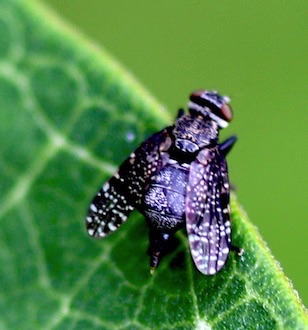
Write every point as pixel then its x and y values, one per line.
pixel 192 133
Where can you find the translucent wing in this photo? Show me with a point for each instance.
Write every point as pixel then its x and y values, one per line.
pixel 122 193
pixel 207 211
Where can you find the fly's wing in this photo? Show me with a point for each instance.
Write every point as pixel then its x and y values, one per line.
pixel 208 212
pixel 119 196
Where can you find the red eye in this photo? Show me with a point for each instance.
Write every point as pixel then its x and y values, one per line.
pixel 196 97
pixel 226 111
pixel 210 103
pixel 197 93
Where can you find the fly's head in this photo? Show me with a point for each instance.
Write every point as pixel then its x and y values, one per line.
pixel 211 105
pixel 208 112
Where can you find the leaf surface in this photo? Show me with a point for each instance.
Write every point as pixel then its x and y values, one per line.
pixel 69 116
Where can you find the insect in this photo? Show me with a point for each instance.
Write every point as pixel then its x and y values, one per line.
pixel 176 178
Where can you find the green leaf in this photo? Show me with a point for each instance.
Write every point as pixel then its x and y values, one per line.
pixel 69 115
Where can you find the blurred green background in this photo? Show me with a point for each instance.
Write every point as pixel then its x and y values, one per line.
pixel 255 52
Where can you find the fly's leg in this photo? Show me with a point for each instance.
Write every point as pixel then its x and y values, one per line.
pixel 237 250
pixel 181 112
pixel 225 147
pixel 158 242
pixel 228 144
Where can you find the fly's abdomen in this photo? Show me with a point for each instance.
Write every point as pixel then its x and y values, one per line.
pixel 163 203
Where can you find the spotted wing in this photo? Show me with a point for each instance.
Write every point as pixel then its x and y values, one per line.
pixel 208 212
pixel 120 195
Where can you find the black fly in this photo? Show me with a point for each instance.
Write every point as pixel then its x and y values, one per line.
pixel 176 178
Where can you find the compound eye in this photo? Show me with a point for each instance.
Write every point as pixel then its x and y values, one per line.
pixel 210 103
pixel 196 97
pixel 226 112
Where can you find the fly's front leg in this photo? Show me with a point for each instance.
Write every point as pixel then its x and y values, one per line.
pixel 181 113
pixel 225 148
pixel 228 144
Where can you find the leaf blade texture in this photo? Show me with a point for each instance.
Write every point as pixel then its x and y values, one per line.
pixel 70 114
